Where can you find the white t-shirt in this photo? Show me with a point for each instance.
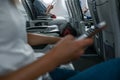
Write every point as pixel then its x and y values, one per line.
pixel 14 50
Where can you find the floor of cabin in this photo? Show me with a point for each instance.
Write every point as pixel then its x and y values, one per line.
pixel 85 62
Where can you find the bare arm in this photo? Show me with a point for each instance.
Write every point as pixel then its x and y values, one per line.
pixel 66 50
pixel 37 39
pixel 49 9
pixel 34 70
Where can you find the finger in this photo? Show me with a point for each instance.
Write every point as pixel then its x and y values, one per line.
pixel 69 37
pixel 86 42
pixel 66 38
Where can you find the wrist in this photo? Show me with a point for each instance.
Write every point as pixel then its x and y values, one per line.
pixel 54 40
pixel 52 59
pixel 55 58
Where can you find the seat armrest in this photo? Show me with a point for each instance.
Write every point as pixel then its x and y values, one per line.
pixel 44 18
pixel 41 22
pixel 35 21
pixel 48 16
pixel 43 29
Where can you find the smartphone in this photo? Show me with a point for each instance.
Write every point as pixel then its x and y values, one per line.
pixel 53 3
pixel 92 31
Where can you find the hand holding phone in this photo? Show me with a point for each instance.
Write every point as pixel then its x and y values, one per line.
pixel 92 31
pixel 53 2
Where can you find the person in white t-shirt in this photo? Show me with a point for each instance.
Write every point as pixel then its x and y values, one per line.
pixel 14 41
pixel 17 61
pixel 15 52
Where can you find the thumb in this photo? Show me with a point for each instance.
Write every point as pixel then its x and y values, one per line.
pixel 85 42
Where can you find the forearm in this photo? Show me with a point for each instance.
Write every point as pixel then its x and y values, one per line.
pixel 37 39
pixel 49 9
pixel 66 50
pixel 34 70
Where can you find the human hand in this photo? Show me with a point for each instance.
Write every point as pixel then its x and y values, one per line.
pixel 69 49
pixel 85 9
pixel 49 8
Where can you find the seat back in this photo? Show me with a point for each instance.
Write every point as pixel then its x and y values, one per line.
pixel 69 10
pixel 78 10
pixel 105 14
pixel 28 5
pixel 75 13
pixel 78 16
pixel 107 10
pixel 99 37
pixel 93 10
